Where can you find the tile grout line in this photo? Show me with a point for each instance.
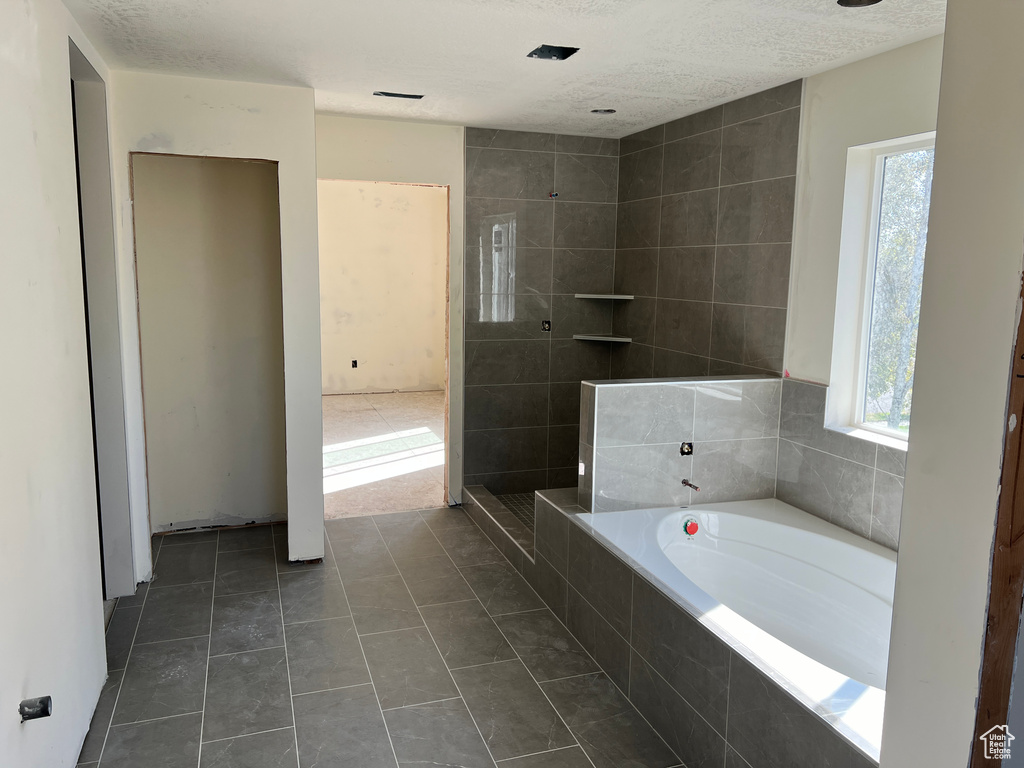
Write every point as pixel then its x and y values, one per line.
pixel 124 673
pixel 209 647
pixel 434 641
pixel 255 733
pixel 284 640
pixel 362 651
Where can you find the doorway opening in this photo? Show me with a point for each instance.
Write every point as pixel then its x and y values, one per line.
pixel 102 326
pixel 384 345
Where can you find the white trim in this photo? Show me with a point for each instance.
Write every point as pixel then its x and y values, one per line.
pixel 854 292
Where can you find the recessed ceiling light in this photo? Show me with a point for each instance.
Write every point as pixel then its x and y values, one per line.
pixel 603 111
pixel 393 95
pixel 857 3
pixel 552 52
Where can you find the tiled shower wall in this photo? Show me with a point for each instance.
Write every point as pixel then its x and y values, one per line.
pixel 703 239
pixel 752 438
pixel 523 383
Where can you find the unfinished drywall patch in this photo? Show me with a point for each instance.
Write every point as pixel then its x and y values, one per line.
pixel 208 266
pixel 383 254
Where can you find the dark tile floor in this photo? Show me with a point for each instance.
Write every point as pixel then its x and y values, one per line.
pixel 414 644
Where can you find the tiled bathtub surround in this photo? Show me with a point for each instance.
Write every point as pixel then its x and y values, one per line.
pixel 853 483
pixel 630 447
pixel 527 254
pixel 703 239
pixel 746 445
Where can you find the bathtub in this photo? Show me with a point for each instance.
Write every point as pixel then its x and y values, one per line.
pixel 807 602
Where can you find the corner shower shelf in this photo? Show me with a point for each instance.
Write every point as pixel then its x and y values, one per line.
pixel 602 337
pixel 608 296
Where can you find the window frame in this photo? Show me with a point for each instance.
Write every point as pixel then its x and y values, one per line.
pixel 858 254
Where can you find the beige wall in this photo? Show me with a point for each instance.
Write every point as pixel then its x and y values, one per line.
pixel 884 97
pixel 52 637
pixel 193 116
pixel 383 268
pixel 208 264
pixel 418 153
pixel 969 316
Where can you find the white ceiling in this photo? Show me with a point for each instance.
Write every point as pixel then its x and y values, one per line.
pixel 652 60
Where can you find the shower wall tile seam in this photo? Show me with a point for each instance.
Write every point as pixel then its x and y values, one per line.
pixel 540 151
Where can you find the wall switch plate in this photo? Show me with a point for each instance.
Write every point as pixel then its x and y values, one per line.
pixel 545 325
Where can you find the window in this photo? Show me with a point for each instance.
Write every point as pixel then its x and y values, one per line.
pixel 885 230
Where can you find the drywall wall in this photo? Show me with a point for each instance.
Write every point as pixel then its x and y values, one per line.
pixel 208 265
pixel 887 96
pixel 417 153
pixel 192 116
pixel 969 309
pixel 383 269
pixel 52 641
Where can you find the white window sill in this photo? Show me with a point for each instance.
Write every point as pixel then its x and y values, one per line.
pixel 872 437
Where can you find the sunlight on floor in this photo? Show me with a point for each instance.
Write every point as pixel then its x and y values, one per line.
pixel 370 459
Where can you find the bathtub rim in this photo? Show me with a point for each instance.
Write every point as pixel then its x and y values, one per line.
pixel 580 517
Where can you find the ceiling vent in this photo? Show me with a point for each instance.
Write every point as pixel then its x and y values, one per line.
pixel 392 95
pixel 552 52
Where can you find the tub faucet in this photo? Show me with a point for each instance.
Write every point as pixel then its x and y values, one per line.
pixel 688 484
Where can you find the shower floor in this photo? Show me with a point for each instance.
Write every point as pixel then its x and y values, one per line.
pixel 520 505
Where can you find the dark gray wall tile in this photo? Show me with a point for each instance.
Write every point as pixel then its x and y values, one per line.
pixel 638 223
pixel 772 730
pixel 552 531
pixel 564 403
pixel 754 336
pixel 648 137
pixel 570 316
pixel 587 145
pixel 696 742
pixel 440 733
pixel 563 450
pixel 708 120
pixel 510 174
pixel 579 360
pixel 506 450
pixel 669 363
pixel 528 311
pixel 342 727
pixel 832 488
pixel 886 508
pixel 510 405
pixel 632 361
pixel 548 583
pixel 692 163
pixel 687 273
pixel 757 212
pixel 761 148
pixel 609 729
pixel 406 668
pixel 636 271
pixel 583 270
pixel 510 482
pixel 506 362
pixel 490 137
pixel 601 578
pixel 640 174
pixel 584 225
pixel 635 320
pixel 562 477
pixel 586 178
pixel 532 270
pixel 690 658
pixel 609 649
pixel 762 103
pixel 512 712
pixel 689 218
pixel 534 220
pixel 683 326
pixel 753 274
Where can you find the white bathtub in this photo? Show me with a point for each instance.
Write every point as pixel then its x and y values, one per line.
pixel 806 601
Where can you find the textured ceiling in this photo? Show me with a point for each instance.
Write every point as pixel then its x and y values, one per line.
pixel 652 60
